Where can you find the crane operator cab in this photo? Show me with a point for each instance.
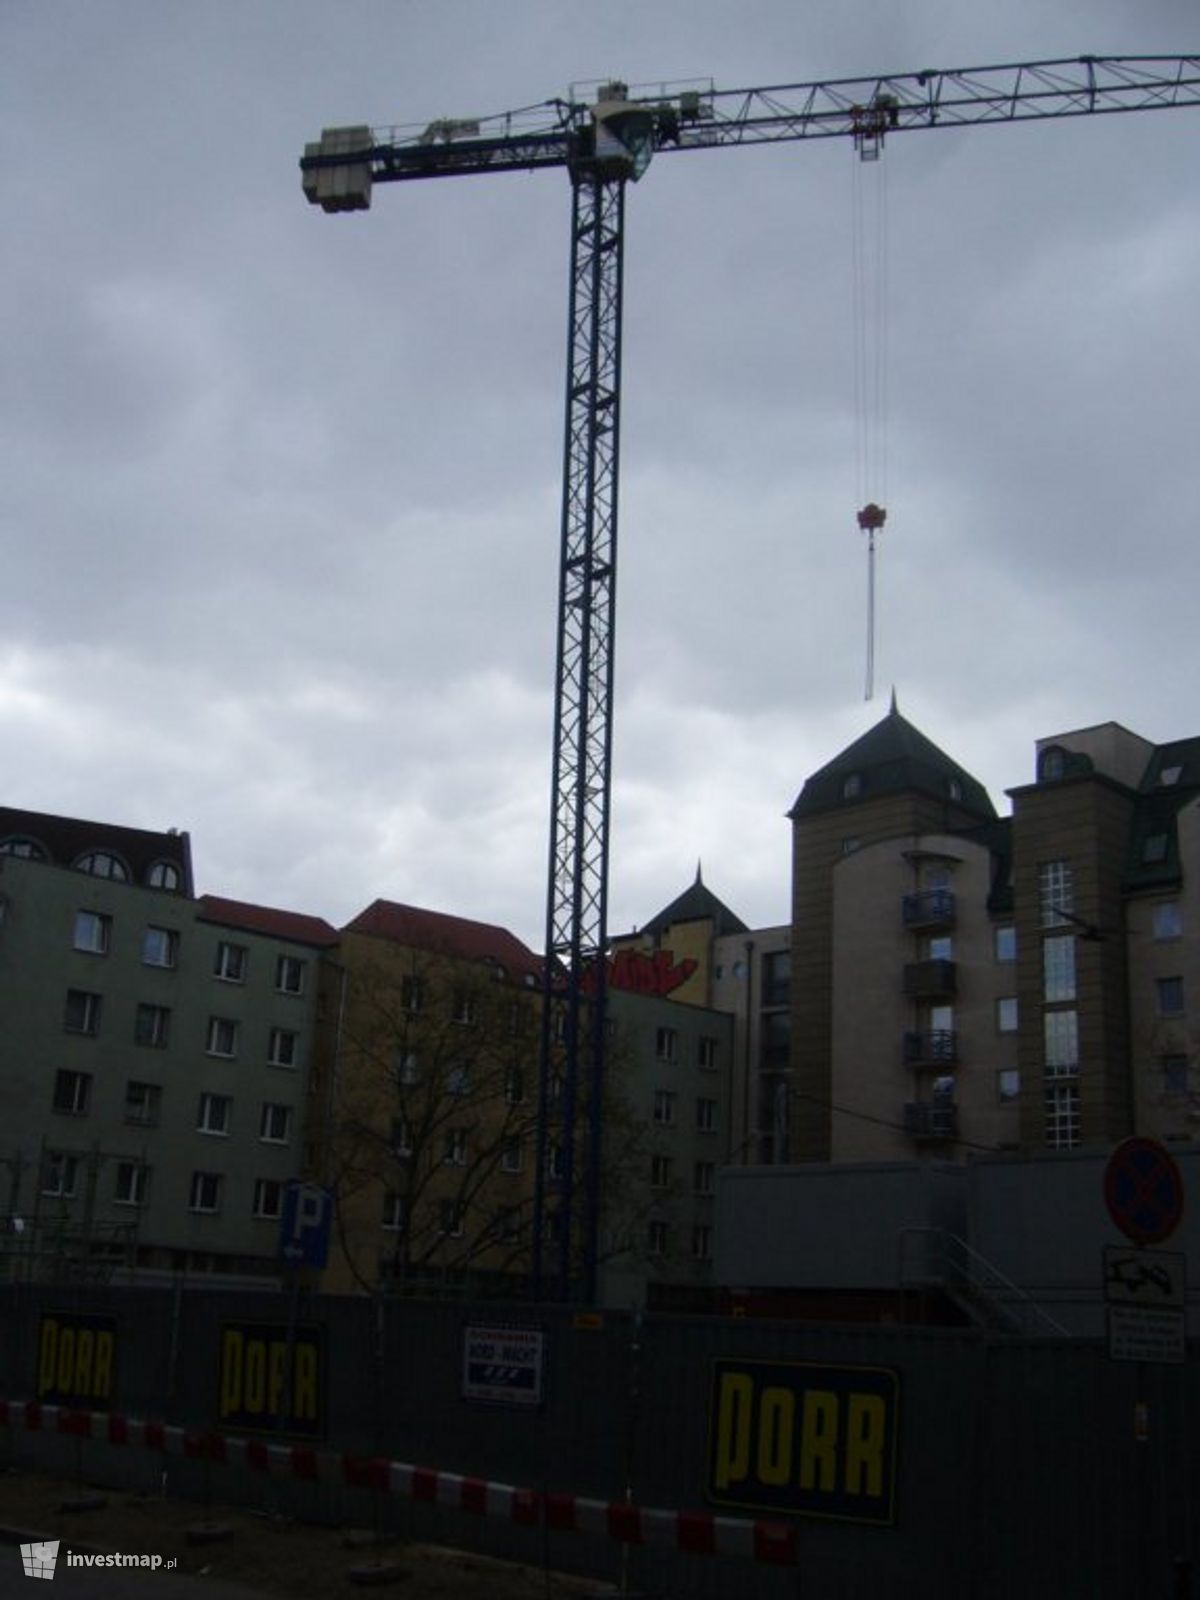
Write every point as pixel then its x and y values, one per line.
pixel 623 134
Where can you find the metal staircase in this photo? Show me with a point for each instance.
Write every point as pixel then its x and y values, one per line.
pixel 935 1258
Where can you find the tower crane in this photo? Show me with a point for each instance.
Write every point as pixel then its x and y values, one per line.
pixel 605 137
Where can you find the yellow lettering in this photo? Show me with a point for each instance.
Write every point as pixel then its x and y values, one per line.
pixel 85 1350
pixel 254 1376
pixel 47 1355
pixel 734 1407
pixel 278 1374
pixel 65 1375
pixel 304 1384
pixel 818 1440
pixel 776 1420
pixel 102 1372
pixel 232 1361
pixel 866 1428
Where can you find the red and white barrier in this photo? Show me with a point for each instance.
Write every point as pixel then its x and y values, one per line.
pixel 695 1532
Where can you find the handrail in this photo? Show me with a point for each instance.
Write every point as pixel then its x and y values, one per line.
pixel 965 1269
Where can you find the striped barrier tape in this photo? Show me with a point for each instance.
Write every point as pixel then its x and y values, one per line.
pixel 692 1532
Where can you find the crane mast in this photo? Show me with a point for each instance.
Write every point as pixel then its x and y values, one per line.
pixel 604 141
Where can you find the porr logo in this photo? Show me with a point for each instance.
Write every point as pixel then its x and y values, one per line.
pixel 39 1559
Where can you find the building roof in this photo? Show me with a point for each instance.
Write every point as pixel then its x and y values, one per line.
pixel 293 926
pixel 893 757
pixel 697 903
pixel 441 934
pixel 63 841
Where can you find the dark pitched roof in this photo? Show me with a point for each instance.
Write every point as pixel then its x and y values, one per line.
pixel 293 926
pixel 1170 781
pixel 63 840
pixel 893 757
pixel 697 903
pixel 441 934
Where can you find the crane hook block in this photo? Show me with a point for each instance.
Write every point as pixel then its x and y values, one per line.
pixel 871 517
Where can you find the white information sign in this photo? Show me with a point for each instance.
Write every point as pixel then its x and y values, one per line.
pixel 1141 1333
pixel 503 1365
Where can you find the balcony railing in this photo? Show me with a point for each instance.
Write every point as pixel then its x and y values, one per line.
pixel 931 1119
pixel 930 908
pixel 930 980
pixel 938 1047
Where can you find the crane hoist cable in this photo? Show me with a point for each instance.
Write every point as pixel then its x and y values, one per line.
pixel 869 287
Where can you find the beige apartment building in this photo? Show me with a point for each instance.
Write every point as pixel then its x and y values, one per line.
pixel 968 983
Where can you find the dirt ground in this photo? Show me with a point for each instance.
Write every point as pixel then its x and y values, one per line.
pixel 272 1554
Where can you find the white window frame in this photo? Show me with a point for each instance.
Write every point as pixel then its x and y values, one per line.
pixel 159 1031
pixel 1167 920
pixel 204 1193
pixel 220 1030
pixel 131 1183
pixel 268 1190
pixel 60 1175
pixel 144 1109
pixel 704 1178
pixel 89 1006
pixel 666 1044
pixel 80 1084
pixel 512 1155
pixel 92 934
pixel 664 1107
pixel 214 1113
pixel 392 1217
pixel 660 1172
pixel 283 1048
pixel 707 1112
pixel 286 968
pixel 230 962
pixel 160 947
pixel 272 1115
pixel 455 1148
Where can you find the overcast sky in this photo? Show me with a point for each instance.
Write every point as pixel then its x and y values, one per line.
pixel 279 507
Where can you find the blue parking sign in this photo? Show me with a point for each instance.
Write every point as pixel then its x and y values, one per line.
pixel 304 1231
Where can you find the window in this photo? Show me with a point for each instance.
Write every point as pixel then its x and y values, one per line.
pixel 72 1093
pixel 160 947
pixel 1052 763
pixel 514 1086
pixel 554 1159
pixel 275 1124
pixel 283 1047
pixel 164 875
pixel 1058 968
pixel 102 864
pixel 151 1026
pixel 401 1140
pixel 508 1223
pixel 1061 1032
pixel 1170 997
pixel 1170 776
pixel 27 849
pixel 702 1242
pixel 660 1172
pixel 1154 848
pixel 1005 944
pixel 1006 1014
pixel 939 947
pixel 82 1012
pixel 412 995
pixel 1056 892
pixel 289 975
pixel 451 1219
pixel 1174 1074
pixel 511 1156
pixel 656 1238
pixel 462 1006
pixel 222 1037
pixel 1008 1085
pixel 268 1197
pixel 665 1044
pixel 213 1115
pixel 455 1149
pixel 706 1052
pixel 205 1193
pixel 143 1103
pixel 706 1116
pixel 704 1177
pixel 408 1069
pixel 1168 923
pixel 393 1212
pixel 230 962
pixel 132 1183
pixel 92 932
pixel 664 1107
pixel 777 978
pixel 60 1175
pixel 458 1082
pixel 852 786
pixel 1062 1116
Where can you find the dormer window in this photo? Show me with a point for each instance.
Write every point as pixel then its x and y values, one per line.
pixel 1170 776
pixel 163 875
pixel 954 788
pixel 1052 763
pixel 852 786
pixel 27 849
pixel 102 864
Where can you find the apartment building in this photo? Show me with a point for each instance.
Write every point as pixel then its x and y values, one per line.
pixel 154 1053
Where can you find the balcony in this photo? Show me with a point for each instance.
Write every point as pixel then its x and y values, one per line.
pixel 937 1047
pixel 931 908
pixel 931 1121
pixel 930 980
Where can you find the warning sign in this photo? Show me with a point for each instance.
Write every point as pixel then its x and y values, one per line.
pixel 503 1365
